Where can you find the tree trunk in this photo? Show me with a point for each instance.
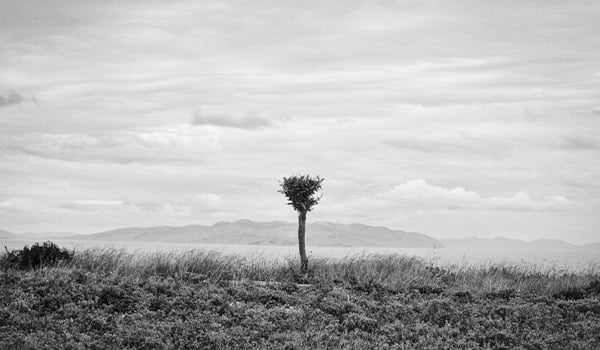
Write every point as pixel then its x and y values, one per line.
pixel 301 242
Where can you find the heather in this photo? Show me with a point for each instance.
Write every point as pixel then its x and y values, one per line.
pixel 116 299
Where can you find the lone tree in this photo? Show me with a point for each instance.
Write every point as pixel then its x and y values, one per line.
pixel 303 194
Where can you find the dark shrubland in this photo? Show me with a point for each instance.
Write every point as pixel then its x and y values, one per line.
pixel 114 299
pixel 39 255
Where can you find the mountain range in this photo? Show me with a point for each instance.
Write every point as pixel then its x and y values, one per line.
pixel 323 234
pixel 503 243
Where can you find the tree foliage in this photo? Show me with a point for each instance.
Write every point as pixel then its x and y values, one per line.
pixel 302 191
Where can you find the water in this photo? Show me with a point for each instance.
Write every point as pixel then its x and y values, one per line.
pixel 567 260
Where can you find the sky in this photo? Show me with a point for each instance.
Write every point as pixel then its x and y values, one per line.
pixel 449 118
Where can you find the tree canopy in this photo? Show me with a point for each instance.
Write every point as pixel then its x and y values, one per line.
pixel 302 191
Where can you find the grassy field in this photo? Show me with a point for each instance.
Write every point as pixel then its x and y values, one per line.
pixel 114 299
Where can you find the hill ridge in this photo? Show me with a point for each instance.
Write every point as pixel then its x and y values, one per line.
pixel 244 231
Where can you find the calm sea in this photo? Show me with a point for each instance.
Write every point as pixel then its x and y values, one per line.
pixel 569 260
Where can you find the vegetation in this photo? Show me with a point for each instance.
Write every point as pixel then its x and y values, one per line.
pixel 302 193
pixel 114 299
pixel 39 255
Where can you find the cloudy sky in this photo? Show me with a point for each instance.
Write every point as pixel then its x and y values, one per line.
pixel 450 118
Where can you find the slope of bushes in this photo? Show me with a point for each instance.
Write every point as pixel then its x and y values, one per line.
pixel 107 299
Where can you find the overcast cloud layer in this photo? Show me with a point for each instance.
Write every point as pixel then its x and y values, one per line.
pixel 451 118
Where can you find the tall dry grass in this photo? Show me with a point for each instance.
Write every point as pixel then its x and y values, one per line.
pixel 368 272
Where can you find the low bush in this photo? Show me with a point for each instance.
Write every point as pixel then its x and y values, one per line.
pixel 505 294
pixel 108 299
pixel 594 287
pixel 570 294
pixel 39 255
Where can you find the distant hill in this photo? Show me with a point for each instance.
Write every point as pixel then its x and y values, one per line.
pixel 320 234
pixel 592 247
pixel 324 234
pixel 510 244
pixel 48 235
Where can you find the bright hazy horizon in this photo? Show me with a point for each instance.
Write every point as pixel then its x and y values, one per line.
pixel 452 119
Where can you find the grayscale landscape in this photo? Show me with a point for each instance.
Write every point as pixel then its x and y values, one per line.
pixel 361 174
pixel 277 240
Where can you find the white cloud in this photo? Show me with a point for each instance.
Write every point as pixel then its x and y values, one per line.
pixel 458 140
pixel 378 91
pixel 419 190
pixel 7 206
pixel 421 195
pixel 176 209
pixel 208 197
pixel 522 201
pixel 181 143
pixel 95 205
pixel 97 202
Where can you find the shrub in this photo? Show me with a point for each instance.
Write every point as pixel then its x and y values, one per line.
pixel 594 287
pixel 39 255
pixel 110 299
pixel 427 289
pixel 116 299
pixel 505 294
pixel 355 320
pixel 440 312
pixel 463 297
pixel 570 294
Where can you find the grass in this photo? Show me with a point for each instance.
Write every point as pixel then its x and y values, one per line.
pixel 114 299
